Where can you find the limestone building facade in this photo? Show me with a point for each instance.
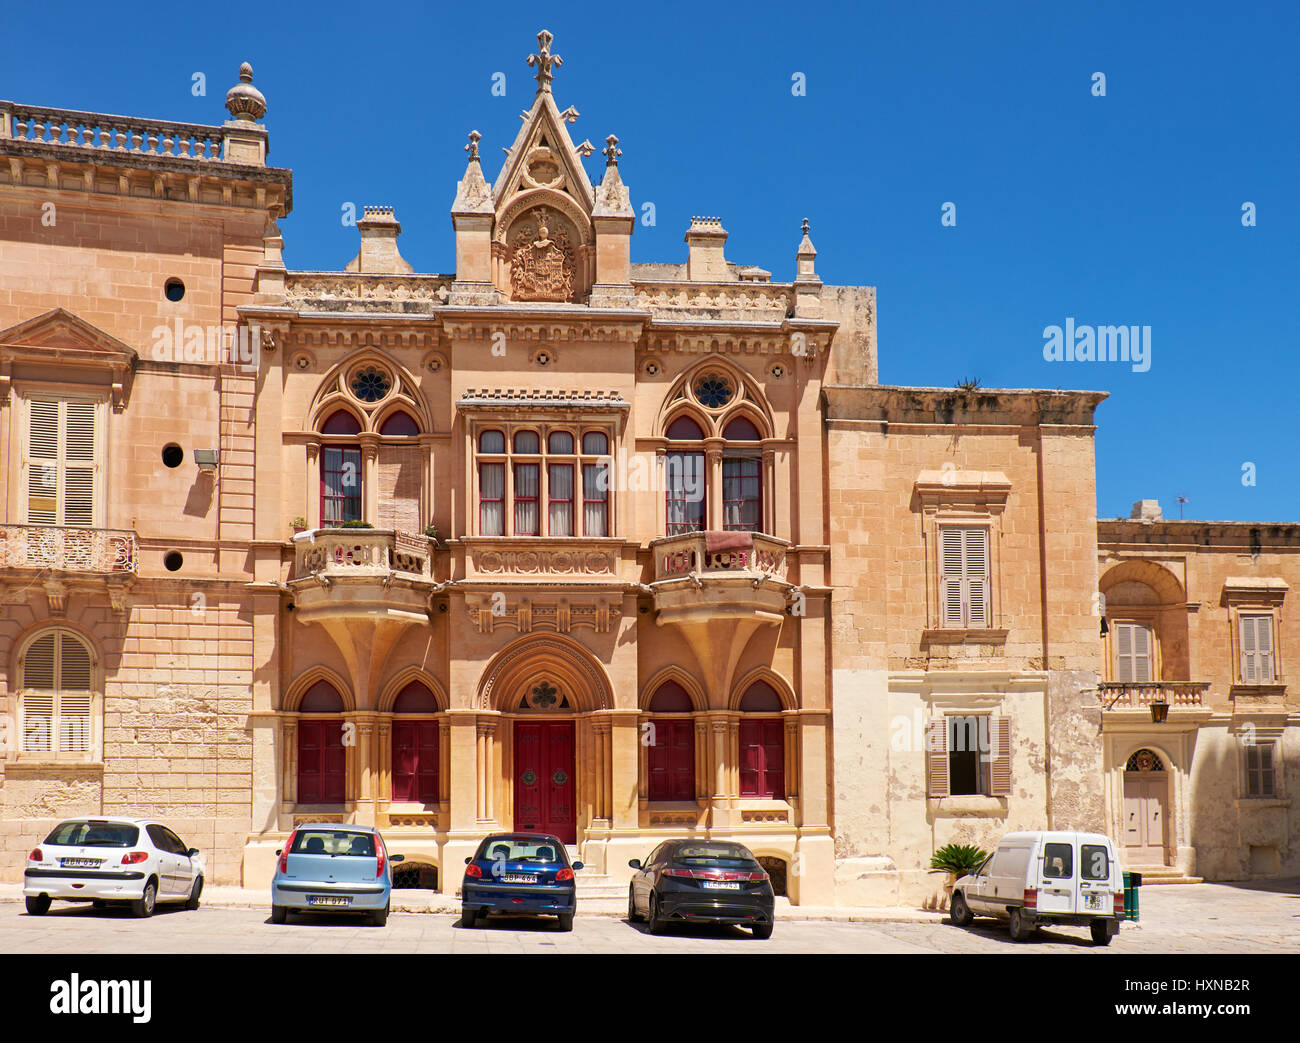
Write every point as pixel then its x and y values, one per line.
pixel 622 551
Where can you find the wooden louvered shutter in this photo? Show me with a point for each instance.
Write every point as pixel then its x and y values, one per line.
pixel 1257 649
pixel 79 464
pixel 1000 752
pixel 38 696
pixel 1248 648
pixel 936 757
pixel 950 576
pixel 43 463
pixel 399 476
pixel 74 696
pixel 1132 653
pixel 977 577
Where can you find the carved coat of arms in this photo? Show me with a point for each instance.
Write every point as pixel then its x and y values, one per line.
pixel 541 262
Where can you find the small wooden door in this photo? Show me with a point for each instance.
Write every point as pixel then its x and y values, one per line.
pixel 1145 797
pixel 322 762
pixel 544 784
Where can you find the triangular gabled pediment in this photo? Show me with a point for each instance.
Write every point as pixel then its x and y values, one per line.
pixel 59 332
pixel 543 156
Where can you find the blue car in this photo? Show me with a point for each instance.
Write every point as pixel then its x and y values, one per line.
pixel 520 874
pixel 328 868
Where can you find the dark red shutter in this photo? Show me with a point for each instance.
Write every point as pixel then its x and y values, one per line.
pixel 322 762
pixel 404 760
pixel 672 761
pixel 427 785
pixel 762 759
pixel 415 761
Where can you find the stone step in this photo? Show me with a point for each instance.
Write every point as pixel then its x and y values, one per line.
pixel 1154 876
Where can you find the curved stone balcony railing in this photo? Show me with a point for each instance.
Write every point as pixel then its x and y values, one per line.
pixel 688 554
pixel 96 132
pixel 360 573
pixel 1138 695
pixel 74 550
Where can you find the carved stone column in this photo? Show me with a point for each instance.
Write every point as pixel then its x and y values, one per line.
pixel 289 775
pixel 486 774
pixel 383 767
pixel 369 477
pixel 713 483
pixel 312 515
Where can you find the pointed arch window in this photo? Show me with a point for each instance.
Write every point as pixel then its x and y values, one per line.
pixel 322 759
pixel 415 745
pixel 671 753
pixel 340 471
pixel 684 478
pixel 742 477
pixel 762 743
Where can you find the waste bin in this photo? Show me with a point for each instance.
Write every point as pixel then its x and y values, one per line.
pixel 1132 881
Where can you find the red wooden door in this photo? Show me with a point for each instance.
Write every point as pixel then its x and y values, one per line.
pixel 544 785
pixel 762 759
pixel 321 762
pixel 415 761
pixel 672 760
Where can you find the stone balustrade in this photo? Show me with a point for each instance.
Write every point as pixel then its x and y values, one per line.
pixel 350 291
pixel 362 553
pixel 1138 695
pixel 61 549
pixel 95 132
pixel 677 557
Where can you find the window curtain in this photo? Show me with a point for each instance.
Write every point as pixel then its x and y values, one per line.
pixel 526 487
pixel 560 492
pixel 492 492
pixel 595 493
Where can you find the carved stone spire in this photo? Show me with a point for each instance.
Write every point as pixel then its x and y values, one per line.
pixel 544 60
pixel 611 151
pixel 612 197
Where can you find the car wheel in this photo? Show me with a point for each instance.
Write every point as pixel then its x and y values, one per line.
pixel 468 916
pixel 1100 932
pixel 99 903
pixel 380 918
pixel 146 902
pixel 279 914
pixel 1021 929
pixel 566 921
pixel 657 926
pixel 762 931
pixel 959 913
pixel 38 905
pixel 193 901
pixel 632 915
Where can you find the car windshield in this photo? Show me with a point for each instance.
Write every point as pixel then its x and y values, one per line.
pixel 715 855
pixel 333 842
pixel 1058 862
pixel 1094 863
pixel 93 834
pixel 520 849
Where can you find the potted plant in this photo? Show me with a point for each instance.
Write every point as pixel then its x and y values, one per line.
pixel 355 525
pixel 956 860
pixel 299 525
pixel 431 531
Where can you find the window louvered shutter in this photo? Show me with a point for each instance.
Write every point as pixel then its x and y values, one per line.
pixel 38 721
pixel 399 488
pixel 1248 648
pixel 977 578
pixel 38 663
pixel 79 464
pixel 1000 751
pixel 1133 652
pixel 1264 648
pixel 936 757
pixel 950 576
pixel 1141 654
pixel 43 463
pixel 74 722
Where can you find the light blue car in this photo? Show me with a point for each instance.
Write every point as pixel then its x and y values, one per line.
pixel 325 867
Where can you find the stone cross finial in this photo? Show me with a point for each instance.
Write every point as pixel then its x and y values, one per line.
pixel 544 60
pixel 804 229
pixel 611 151
pixel 472 147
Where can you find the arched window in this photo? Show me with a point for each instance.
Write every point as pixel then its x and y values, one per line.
pixel 399 423
pixel 684 478
pixel 559 442
pixel 671 753
pixel 321 757
pixel 415 746
pixel 531 489
pixel 340 472
pixel 56 694
pixel 742 478
pixel 762 743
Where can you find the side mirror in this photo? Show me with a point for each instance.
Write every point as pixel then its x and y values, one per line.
pixel 468 861
pixel 635 863
pixel 397 858
pixel 577 865
pixel 194 851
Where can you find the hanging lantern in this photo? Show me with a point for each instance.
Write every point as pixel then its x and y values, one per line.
pixel 1159 711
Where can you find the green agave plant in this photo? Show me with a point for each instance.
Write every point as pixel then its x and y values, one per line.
pixel 355 525
pixel 958 859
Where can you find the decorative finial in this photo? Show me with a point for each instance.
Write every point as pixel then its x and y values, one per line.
pixel 611 151
pixel 585 149
pixel 244 101
pixel 544 60
pixel 570 115
pixel 805 226
pixel 472 147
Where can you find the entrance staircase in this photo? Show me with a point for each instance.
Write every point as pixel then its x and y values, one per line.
pixel 596 886
pixel 1153 875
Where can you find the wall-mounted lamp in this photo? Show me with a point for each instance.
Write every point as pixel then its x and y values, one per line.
pixel 1159 711
pixel 206 459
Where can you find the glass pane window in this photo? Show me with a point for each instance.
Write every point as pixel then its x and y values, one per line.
pixel 595 499
pixel 559 442
pixel 594 443
pixel 340 485
pixel 492 499
pixel 559 480
pixel 742 493
pixel 1260 777
pixel 527 477
pixel 969 746
pixel 684 495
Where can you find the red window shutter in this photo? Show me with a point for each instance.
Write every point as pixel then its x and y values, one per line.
pixel 427 788
pixel 309 762
pixel 404 760
pixel 322 762
pixel 672 761
pixel 762 759
pixel 333 784
pixel 1000 767
pixel 751 758
pixel 936 757
pixel 774 755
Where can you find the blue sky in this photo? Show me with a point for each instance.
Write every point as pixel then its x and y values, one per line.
pixel 1123 209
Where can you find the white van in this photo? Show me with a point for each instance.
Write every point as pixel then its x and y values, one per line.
pixel 1045 878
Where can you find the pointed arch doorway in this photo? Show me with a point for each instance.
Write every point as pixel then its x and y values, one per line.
pixel 1146 809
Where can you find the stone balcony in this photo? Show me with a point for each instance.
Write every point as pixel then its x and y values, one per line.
pixel 718 588
pixel 64 559
pixel 376 574
pixel 1139 695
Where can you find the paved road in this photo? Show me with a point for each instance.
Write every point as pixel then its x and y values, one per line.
pixel 1201 918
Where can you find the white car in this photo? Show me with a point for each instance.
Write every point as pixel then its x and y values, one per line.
pixel 105 860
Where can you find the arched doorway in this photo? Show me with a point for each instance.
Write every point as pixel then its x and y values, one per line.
pixel 1146 809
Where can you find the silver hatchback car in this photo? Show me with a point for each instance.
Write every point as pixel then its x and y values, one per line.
pixel 325 867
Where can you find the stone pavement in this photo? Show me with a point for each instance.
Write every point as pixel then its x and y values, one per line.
pixel 1197 918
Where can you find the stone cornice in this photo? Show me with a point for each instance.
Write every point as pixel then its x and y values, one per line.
pixel 984 406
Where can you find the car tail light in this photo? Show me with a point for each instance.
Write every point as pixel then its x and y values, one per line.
pixel 473 870
pixel 37 855
pixel 564 874
pixel 382 854
pixel 1117 903
pixel 689 874
pixel 133 857
pixel 284 852
pixel 1031 898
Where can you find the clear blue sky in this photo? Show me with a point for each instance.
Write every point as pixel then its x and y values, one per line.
pixel 1123 209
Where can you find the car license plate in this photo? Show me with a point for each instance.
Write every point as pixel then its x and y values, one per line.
pixel 81 863
pixel 718 885
pixel 1092 901
pixel 518 878
pixel 328 900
